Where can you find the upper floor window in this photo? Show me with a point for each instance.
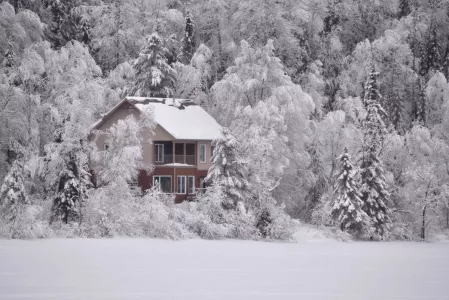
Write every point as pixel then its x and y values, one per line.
pixel 159 152
pixel 202 153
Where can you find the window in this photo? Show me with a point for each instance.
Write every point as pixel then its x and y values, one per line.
pixel 181 185
pixel 164 182
pixel 106 147
pixel 159 153
pixel 202 153
pixel 191 185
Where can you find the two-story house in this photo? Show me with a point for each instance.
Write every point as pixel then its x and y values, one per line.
pixel 180 148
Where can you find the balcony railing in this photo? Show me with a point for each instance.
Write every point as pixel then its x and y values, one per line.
pixel 179 159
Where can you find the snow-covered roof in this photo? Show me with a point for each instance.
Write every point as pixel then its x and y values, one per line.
pixel 182 118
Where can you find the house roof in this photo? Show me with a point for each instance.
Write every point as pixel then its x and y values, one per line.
pixel 182 118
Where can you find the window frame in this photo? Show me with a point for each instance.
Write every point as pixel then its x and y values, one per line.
pixel 157 153
pixel 205 153
pixel 166 176
pixel 177 184
pixel 193 187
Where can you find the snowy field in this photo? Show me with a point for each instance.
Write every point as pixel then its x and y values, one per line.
pixel 231 270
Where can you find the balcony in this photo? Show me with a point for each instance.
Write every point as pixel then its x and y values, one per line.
pixel 184 153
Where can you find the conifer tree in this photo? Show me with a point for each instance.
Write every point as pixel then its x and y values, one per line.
pixel 331 18
pixel 445 63
pixel 347 205
pixel 404 8
pixel 228 170
pixel 72 188
pixel 58 13
pixel 12 193
pixel 9 56
pixel 433 52
pixel 188 41
pixel 371 88
pixel 397 114
pixel 154 76
pixel 374 189
pixel 423 63
pixel 421 103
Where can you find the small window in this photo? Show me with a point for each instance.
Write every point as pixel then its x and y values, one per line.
pixel 191 185
pixel 164 183
pixel 203 153
pixel 159 153
pixel 106 147
pixel 181 185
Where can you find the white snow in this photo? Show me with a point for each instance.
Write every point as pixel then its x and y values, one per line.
pixel 190 123
pixel 228 270
pixel 178 165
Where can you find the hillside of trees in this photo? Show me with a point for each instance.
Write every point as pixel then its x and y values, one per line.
pixel 336 113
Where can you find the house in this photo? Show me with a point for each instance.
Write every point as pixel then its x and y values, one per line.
pixel 180 148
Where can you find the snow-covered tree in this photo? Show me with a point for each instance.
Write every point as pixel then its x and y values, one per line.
pixel 347 204
pixel 154 76
pixel 375 195
pixel 13 195
pixel 9 56
pixel 371 88
pixel 404 8
pixel 433 58
pixel 229 170
pixel 188 40
pixel 123 159
pixel 397 114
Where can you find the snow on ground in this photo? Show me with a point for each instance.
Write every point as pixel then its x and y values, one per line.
pixel 232 270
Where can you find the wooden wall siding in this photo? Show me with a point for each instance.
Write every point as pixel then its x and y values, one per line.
pixel 146 180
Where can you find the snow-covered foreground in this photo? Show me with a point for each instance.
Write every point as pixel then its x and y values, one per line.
pixel 198 269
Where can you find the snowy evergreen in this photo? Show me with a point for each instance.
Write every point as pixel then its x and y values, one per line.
pixel 188 41
pixel 445 64
pixel 397 115
pixel 371 88
pixel 421 103
pixel 228 170
pixel 375 195
pixel 154 76
pixel 404 8
pixel 12 192
pixel 9 56
pixel 433 52
pixel 347 204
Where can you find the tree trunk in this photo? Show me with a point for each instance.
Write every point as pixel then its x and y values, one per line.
pixel 423 228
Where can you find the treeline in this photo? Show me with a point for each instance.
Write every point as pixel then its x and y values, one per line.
pixel 295 82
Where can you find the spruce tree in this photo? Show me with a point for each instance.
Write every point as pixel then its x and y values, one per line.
pixel 9 56
pixel 374 188
pixel 397 114
pixel 188 41
pixel 433 52
pixel 404 8
pixel 58 13
pixel 72 187
pixel 445 64
pixel 347 205
pixel 12 193
pixel 421 103
pixel 154 76
pixel 228 170
pixel 371 88
pixel 423 62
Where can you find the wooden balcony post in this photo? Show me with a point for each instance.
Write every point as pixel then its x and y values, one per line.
pixel 173 158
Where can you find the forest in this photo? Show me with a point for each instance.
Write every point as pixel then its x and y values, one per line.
pixel 335 114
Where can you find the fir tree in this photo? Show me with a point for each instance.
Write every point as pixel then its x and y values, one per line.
pixel 321 183
pixel 187 42
pixel 397 114
pixel 420 110
pixel 154 76
pixel 404 8
pixel 12 193
pixel 72 188
pixel 347 206
pixel 58 13
pixel 228 170
pixel 433 52
pixel 445 63
pixel 9 56
pixel 423 62
pixel 371 88
pixel 374 188
pixel 331 18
